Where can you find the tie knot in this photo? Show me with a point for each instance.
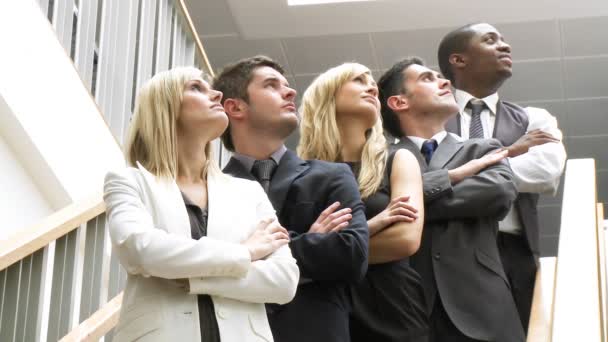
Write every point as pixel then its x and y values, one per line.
pixel 477 106
pixel 263 169
pixel 429 146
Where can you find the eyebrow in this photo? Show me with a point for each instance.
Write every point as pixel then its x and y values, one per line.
pixel 427 73
pixel 367 74
pixel 272 79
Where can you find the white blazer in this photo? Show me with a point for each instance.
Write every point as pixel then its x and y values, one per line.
pixel 150 232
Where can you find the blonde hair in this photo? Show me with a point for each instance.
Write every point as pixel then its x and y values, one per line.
pixel 320 136
pixel 152 136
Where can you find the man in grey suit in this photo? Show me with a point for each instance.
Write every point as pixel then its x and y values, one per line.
pixel 468 189
pixel 477 59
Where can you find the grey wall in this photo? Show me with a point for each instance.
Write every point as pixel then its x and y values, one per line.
pixel 560 65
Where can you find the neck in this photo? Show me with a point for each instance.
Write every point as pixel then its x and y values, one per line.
pixel 191 160
pixel 258 147
pixel 425 126
pixel 352 136
pixel 479 87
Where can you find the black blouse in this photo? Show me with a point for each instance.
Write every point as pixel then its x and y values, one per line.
pixel 388 304
pixel 198 228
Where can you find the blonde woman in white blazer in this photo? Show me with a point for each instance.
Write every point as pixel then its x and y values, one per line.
pixel 243 261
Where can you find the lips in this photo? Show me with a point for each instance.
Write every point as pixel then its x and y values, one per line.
pixel 217 106
pixel 446 92
pixel 506 58
pixel 371 98
pixel 290 106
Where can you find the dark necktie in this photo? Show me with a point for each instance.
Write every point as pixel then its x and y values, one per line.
pixel 262 170
pixel 428 148
pixel 475 128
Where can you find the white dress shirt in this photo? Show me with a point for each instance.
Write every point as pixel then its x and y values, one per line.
pixel 437 137
pixel 537 171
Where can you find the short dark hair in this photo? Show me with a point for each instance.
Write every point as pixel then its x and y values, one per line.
pixel 392 83
pixel 455 41
pixel 234 79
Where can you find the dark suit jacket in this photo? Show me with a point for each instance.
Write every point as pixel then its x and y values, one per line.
pixel 458 257
pixel 299 191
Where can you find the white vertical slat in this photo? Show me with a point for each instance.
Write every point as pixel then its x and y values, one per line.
pixel 145 67
pixel 3 287
pixel 76 292
pixel 163 36
pixel 85 42
pixel 190 52
pixel 24 291
pixel 11 303
pixel 63 16
pixel 116 72
pixel 105 262
pixel 101 87
pixel 175 39
pixel 45 292
pixel 34 306
pixel 44 6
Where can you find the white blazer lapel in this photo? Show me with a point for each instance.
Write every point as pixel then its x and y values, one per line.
pixel 169 209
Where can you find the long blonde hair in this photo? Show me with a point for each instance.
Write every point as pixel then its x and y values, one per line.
pixel 320 136
pixel 152 136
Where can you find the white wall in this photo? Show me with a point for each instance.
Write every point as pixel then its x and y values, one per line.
pixel 22 202
pixel 48 117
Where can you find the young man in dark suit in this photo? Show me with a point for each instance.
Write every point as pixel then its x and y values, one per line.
pixel 330 245
pixel 467 189
pixel 477 60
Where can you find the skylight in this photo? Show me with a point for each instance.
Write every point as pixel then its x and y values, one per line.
pixel 318 2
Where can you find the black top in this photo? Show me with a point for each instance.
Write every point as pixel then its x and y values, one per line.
pixel 198 228
pixel 388 304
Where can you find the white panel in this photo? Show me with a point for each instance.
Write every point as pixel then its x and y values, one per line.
pixel 116 75
pixel 85 41
pixel 146 42
pixel 163 37
pixel 24 193
pixel 62 122
pixel 63 17
pixel 190 52
pixel 44 6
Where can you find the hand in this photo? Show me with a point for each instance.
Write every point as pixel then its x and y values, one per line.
pixel 474 166
pixel 331 220
pixel 398 210
pixel 530 139
pixel 267 237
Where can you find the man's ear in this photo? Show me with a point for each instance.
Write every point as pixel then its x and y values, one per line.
pixel 398 103
pixel 458 60
pixel 235 108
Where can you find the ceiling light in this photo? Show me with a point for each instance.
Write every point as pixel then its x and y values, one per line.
pixel 318 2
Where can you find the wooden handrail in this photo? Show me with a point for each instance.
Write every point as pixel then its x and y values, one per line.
pixel 601 263
pixel 49 229
pixel 99 324
pixel 576 307
pixel 542 304
pixel 197 40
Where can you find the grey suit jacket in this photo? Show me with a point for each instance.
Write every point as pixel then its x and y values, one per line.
pixel 458 258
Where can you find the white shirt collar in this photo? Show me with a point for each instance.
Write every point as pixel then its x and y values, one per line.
pixel 419 141
pixel 462 98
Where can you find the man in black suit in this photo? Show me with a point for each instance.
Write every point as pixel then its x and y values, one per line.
pixel 467 189
pixel 477 60
pixel 330 245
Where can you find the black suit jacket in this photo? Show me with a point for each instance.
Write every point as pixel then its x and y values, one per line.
pixel 458 257
pixel 299 191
